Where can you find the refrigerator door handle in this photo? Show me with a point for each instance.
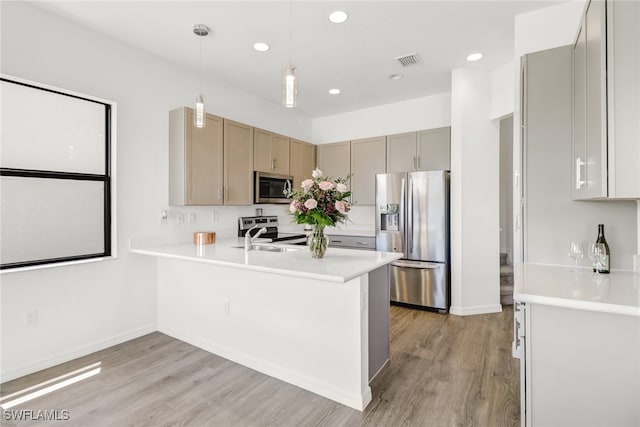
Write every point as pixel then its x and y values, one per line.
pixel 410 221
pixel 402 213
pixel 418 264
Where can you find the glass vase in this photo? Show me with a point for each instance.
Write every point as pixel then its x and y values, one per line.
pixel 318 242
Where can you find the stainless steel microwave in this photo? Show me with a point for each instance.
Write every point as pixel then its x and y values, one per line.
pixel 269 187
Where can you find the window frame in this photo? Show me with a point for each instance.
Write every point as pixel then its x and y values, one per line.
pixel 108 179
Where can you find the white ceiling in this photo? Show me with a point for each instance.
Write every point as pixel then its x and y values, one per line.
pixel 357 56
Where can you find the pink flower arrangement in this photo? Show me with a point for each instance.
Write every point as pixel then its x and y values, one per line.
pixel 322 201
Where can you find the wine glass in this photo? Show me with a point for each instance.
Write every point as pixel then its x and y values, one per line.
pixel 591 253
pixel 599 255
pixel 576 251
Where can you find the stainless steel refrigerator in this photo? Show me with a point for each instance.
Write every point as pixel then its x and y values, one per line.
pixel 412 217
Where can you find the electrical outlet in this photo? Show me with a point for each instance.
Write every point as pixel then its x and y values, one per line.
pixel 31 319
pixel 164 215
pixel 215 216
pixel 227 307
pixel 192 217
pixel 180 218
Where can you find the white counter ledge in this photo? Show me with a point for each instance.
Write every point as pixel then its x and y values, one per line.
pixel 338 265
pixel 616 293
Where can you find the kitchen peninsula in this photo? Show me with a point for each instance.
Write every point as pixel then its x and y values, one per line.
pixel 320 324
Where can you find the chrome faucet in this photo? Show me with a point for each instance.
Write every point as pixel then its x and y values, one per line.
pixel 248 240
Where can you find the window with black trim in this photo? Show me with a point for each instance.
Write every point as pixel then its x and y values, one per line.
pixel 55 176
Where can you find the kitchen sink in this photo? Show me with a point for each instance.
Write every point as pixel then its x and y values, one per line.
pixel 269 248
pixel 272 248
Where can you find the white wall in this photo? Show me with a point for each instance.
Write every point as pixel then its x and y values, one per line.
pixel 502 86
pixel 415 114
pixel 547 28
pixel 475 275
pixel 85 307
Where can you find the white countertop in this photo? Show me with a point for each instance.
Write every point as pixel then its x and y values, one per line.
pixel 338 265
pixel 617 292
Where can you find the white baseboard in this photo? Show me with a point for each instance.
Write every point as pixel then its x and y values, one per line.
pixel 478 309
pixel 314 385
pixel 74 353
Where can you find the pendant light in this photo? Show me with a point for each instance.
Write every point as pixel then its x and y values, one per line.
pixel 289 78
pixel 199 119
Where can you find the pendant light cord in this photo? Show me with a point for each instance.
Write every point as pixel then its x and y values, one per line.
pixel 200 76
pixel 290 30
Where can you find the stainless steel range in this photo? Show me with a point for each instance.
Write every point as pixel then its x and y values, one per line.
pixel 245 223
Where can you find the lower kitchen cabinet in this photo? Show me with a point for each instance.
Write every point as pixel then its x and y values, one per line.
pixel 352 242
pixel 578 367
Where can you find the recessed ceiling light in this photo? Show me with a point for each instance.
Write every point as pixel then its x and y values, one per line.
pixel 396 76
pixel 261 47
pixel 338 17
pixel 334 91
pixel 474 57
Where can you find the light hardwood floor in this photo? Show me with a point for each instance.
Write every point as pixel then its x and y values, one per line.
pixel 444 371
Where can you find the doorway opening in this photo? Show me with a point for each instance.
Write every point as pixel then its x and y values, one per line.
pixel 506 210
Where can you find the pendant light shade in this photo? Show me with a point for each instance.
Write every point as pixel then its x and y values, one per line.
pixel 199 112
pixel 289 87
pixel 199 119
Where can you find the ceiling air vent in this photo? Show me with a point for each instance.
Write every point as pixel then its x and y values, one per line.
pixel 409 60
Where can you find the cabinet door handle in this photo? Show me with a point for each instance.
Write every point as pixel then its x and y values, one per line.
pixel 363 243
pixel 226 193
pixel 579 181
pixel 414 163
pixel 220 193
pixel 336 241
pixel 418 163
pixel 274 164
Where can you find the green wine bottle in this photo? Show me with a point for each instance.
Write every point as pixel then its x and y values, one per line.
pixel 604 265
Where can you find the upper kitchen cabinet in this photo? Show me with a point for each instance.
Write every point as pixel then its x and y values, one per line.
pixel 434 149
pixel 302 161
pixel 606 105
pixel 238 163
pixel 270 152
pixel 195 160
pixel 402 152
pixel 335 159
pixel 367 160
pixel 419 151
